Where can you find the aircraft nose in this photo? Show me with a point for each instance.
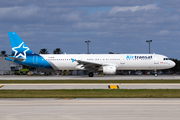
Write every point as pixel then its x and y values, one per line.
pixel 172 63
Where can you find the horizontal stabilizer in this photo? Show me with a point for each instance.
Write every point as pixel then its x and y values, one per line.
pixel 14 58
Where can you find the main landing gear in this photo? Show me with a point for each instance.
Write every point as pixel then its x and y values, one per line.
pixel 91 74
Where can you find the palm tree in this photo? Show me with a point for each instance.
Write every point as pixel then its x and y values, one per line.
pixel 57 51
pixel 111 53
pixel 43 51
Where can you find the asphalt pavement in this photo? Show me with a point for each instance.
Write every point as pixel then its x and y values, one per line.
pixel 85 77
pixel 89 86
pixel 89 109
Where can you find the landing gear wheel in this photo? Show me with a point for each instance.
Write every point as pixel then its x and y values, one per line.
pixel 155 74
pixel 91 74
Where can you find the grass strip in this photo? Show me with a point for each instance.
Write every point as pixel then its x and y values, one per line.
pixel 95 93
pixel 87 81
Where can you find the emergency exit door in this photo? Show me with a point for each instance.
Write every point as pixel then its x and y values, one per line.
pixel 35 59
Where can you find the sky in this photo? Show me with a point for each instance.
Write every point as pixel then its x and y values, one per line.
pixel 118 26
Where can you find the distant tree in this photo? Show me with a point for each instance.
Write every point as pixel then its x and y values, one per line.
pixel 3 53
pixel 43 51
pixel 57 51
pixel 111 53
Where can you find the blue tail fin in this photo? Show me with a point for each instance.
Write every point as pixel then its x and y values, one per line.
pixel 19 48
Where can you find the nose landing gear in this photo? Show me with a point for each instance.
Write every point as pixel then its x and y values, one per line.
pixel 155 73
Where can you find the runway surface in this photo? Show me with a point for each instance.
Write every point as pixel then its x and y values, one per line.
pixel 89 109
pixel 85 77
pixel 88 86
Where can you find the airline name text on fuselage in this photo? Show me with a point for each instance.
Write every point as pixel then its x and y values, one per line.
pixel 138 57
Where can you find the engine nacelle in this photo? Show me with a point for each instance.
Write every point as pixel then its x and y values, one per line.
pixel 109 69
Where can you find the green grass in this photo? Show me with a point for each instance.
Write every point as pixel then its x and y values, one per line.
pixel 87 81
pixel 96 93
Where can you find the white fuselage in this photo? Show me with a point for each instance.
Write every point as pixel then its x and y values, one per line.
pixel 121 61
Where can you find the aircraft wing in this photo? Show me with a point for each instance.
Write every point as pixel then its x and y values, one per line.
pixel 88 65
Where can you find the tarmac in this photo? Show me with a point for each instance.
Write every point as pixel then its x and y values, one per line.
pixel 87 86
pixel 89 109
pixel 90 86
pixel 85 77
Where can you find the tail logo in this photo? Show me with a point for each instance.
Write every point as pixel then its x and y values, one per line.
pixel 20 51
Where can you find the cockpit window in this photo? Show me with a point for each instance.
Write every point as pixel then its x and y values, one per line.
pixel 166 58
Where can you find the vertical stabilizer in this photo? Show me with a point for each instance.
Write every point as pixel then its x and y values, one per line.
pixel 19 48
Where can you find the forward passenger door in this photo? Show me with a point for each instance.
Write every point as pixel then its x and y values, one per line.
pixel 156 59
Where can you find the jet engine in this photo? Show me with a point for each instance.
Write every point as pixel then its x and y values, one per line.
pixel 80 67
pixel 109 69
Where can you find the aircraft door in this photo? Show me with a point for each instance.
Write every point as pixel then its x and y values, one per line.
pixel 35 59
pixel 156 59
pixel 122 61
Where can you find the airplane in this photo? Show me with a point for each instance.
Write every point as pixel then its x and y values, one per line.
pixel 91 63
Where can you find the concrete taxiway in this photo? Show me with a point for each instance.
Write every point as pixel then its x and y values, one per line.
pixel 85 77
pixel 88 86
pixel 89 109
